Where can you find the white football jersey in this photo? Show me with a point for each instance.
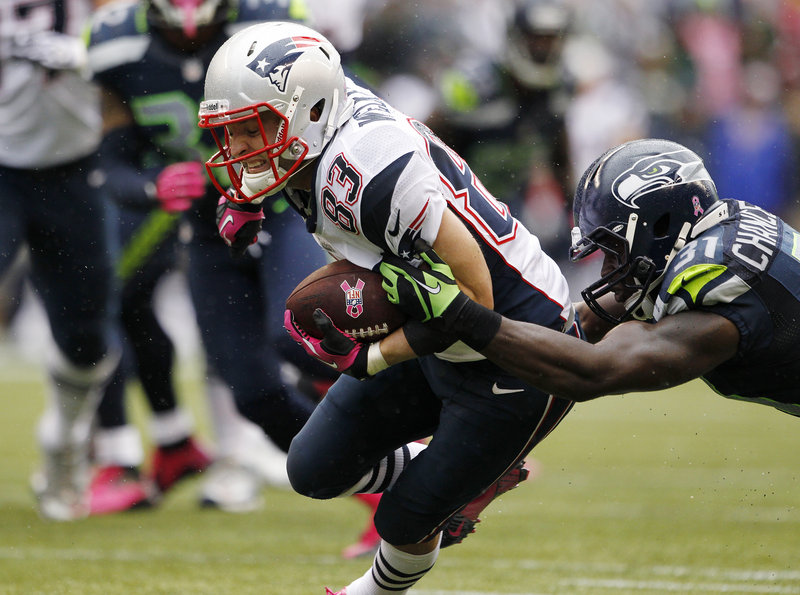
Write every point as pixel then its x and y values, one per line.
pixel 49 117
pixel 385 179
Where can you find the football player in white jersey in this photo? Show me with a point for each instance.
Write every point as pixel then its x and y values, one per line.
pixel 51 203
pixel 370 181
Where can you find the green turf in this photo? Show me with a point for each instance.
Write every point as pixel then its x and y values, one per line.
pixel 677 492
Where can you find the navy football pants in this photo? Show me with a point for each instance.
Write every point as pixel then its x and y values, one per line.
pixel 240 304
pixel 67 226
pixel 476 437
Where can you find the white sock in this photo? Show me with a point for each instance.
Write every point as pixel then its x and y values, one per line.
pixel 169 427
pixel 226 421
pixel 118 446
pixel 393 572
pixel 73 395
pixel 383 475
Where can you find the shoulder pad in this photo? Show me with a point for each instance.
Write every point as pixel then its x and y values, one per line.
pixel 118 36
pixel 117 19
pixel 271 10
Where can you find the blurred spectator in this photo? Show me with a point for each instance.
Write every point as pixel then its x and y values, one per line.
pixel 711 35
pixel 750 148
pixel 604 111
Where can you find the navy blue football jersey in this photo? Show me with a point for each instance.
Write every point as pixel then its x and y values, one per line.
pixel 745 267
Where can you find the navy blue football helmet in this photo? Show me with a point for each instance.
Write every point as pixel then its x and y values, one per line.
pixel 638 202
pixel 187 16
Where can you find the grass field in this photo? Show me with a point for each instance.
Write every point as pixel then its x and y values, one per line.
pixel 677 492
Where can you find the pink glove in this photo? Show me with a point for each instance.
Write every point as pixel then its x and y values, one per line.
pixel 338 350
pixel 238 224
pixel 179 184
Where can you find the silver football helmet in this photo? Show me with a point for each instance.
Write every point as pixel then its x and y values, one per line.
pixel 284 68
pixel 186 15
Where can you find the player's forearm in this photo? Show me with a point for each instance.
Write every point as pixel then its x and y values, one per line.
pixel 556 363
pixel 395 348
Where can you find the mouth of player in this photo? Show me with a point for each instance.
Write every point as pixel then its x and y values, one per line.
pixel 256 166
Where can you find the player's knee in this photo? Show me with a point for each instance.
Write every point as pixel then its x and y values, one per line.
pixel 308 476
pixel 85 345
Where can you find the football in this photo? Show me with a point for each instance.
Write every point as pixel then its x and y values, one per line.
pixel 352 298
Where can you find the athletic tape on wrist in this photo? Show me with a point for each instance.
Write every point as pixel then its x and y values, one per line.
pixel 375 361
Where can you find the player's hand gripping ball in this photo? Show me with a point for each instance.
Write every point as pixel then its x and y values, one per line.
pixel 353 299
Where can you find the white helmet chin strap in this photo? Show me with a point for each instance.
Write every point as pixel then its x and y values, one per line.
pixel 255 183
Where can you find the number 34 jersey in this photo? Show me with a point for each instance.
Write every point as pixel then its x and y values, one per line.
pixel 745 267
pixel 385 179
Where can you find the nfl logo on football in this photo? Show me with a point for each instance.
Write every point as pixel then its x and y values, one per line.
pixel 354 300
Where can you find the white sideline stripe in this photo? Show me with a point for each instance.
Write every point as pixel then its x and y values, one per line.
pixel 428 592
pixel 689 587
pixel 722 580
pixel 727 574
pixel 617 584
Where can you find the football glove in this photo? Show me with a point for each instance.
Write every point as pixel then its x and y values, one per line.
pixel 424 295
pixel 432 296
pixel 238 224
pixel 179 184
pixel 336 349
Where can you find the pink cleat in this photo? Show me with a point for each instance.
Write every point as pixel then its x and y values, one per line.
pixel 173 463
pixel 462 523
pixel 369 540
pixel 117 489
pixel 329 592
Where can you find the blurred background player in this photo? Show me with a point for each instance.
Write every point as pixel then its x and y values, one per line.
pixel 153 157
pixel 148 225
pixel 52 206
pixel 504 113
pixel 152 81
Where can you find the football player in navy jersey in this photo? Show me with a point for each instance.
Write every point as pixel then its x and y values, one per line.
pixel 149 58
pixel 692 286
pixel 53 207
pixel 370 182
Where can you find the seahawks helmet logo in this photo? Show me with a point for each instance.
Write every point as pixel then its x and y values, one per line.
pixel 657 171
pixel 275 61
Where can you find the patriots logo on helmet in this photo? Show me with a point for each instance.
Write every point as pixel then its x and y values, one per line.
pixel 656 171
pixel 275 61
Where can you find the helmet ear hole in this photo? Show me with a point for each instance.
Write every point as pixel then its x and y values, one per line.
pixel 316 111
pixel 661 227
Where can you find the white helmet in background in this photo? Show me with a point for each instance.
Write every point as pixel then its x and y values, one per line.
pixel 284 68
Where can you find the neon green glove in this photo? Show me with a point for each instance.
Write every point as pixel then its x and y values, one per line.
pixel 432 296
pixel 422 294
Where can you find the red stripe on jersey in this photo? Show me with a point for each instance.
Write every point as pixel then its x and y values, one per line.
pixel 417 223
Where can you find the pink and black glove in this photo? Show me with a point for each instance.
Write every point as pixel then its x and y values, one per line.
pixel 179 184
pixel 238 224
pixel 336 349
